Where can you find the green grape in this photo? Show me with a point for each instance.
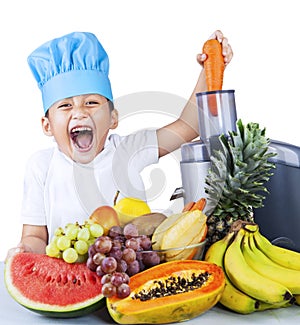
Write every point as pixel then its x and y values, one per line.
pixel 81 247
pixel 63 243
pixel 82 258
pixel 59 231
pixel 52 250
pixel 83 234
pixel 91 241
pixel 87 223
pixel 96 230
pixel 54 239
pixel 71 231
pixel 70 255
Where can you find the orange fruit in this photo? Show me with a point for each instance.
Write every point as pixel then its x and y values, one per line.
pixel 129 208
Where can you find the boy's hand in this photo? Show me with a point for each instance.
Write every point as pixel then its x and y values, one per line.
pixel 21 248
pixel 226 48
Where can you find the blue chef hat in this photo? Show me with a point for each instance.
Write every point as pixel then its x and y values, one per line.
pixel 72 65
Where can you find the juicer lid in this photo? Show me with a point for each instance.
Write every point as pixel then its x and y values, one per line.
pixel 286 154
pixel 195 151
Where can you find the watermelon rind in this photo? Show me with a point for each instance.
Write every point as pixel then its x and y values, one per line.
pixel 72 313
pixel 83 308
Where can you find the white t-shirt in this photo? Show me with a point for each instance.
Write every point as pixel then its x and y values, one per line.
pixel 58 191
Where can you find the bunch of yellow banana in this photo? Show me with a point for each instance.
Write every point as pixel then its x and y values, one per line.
pixel 259 275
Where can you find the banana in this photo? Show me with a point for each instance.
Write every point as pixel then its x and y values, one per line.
pixel 231 298
pixel 297 299
pixel 283 256
pixel 266 306
pixel 251 227
pixel 267 268
pixel 248 280
pixel 216 251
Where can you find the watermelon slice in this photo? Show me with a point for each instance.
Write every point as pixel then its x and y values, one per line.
pixel 52 287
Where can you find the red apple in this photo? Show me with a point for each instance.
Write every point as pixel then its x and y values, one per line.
pixel 106 216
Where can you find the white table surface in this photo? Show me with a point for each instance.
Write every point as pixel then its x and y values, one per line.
pixel 12 313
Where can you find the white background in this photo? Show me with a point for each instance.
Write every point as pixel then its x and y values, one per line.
pixel 152 46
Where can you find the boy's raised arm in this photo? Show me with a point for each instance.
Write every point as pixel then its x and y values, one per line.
pixel 185 128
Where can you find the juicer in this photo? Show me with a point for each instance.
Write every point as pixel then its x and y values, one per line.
pixel 217 115
pixel 279 219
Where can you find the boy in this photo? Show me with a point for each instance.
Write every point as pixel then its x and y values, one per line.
pixel 66 183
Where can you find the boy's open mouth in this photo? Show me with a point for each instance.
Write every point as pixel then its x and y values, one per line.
pixel 82 137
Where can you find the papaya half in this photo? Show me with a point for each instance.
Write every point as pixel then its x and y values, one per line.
pixel 170 292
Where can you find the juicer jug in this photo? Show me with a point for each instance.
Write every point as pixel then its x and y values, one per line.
pixel 217 115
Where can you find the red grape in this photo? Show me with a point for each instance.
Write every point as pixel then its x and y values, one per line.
pixel 123 290
pixel 116 252
pixel 99 271
pixel 90 264
pixel 109 290
pixel 126 278
pixel 121 266
pixel 103 244
pixel 98 257
pixel 133 268
pixel 145 243
pixel 129 255
pixel 115 231
pixel 130 230
pixel 151 258
pixel 117 278
pixel 106 278
pixel 133 243
pixel 109 264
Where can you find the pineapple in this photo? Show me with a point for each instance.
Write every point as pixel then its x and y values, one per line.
pixel 235 181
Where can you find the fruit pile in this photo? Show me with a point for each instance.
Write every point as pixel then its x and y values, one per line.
pixel 115 252
pixel 247 271
pixel 258 274
pixel 115 259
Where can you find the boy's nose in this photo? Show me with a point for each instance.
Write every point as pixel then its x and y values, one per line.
pixel 79 112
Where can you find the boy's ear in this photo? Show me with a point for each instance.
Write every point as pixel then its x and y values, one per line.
pixel 46 126
pixel 114 119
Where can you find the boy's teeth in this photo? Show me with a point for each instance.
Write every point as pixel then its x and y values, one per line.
pixel 80 129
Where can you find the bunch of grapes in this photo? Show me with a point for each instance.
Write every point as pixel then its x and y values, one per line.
pixel 119 255
pixel 72 242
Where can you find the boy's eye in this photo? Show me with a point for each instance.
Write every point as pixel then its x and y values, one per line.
pixel 91 103
pixel 64 106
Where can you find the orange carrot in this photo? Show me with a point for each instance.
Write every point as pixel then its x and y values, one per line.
pixel 214 71
pixel 204 233
pixel 188 206
pixel 191 206
pixel 214 64
pixel 199 205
